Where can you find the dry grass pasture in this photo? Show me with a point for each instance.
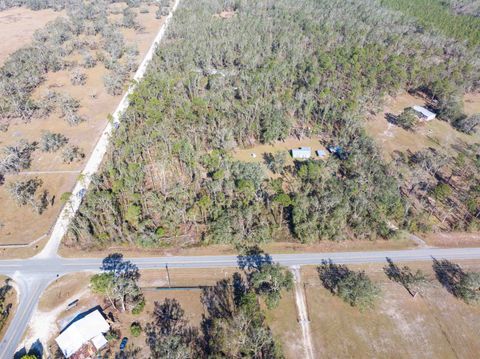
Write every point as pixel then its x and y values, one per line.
pixel 21 225
pixel 433 325
pixel 17 26
pixel 436 133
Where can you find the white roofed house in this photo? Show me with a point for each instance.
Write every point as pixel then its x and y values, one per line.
pixel 424 114
pixel 83 334
pixel 302 152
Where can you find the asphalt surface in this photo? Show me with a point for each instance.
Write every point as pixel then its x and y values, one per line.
pixel 33 275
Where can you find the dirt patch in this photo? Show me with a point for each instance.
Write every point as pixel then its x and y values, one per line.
pixel 227 14
pixel 434 324
pixel 17 26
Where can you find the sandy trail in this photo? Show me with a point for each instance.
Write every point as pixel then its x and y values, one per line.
pixel 302 313
pixel 93 164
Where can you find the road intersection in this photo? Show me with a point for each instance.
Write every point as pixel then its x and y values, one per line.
pixel 32 276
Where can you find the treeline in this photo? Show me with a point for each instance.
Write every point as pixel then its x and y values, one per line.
pixel 437 14
pixel 293 68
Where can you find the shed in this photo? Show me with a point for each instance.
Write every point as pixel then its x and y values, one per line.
pixel 302 152
pixel 321 153
pixel 79 332
pixel 423 113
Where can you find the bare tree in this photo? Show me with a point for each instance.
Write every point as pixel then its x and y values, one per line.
pixel 24 193
pixel 52 142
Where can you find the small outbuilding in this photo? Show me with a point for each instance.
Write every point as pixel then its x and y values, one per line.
pixel 88 329
pixel 321 153
pixel 302 153
pixel 424 114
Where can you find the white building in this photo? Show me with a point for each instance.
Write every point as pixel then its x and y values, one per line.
pixel 423 113
pixel 302 152
pixel 89 328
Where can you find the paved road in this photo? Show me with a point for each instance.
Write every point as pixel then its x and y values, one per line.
pixel 33 275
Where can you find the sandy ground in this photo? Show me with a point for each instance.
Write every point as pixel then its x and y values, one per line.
pixel 434 324
pixel 435 133
pixel 94 109
pixel 17 26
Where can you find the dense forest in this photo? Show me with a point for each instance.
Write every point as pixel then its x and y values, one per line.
pixel 236 73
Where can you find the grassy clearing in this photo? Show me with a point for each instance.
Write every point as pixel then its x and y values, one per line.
pixel 402 242
pixel 9 301
pixel 436 134
pixel 435 324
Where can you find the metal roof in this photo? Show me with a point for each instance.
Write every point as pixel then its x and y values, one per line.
pixel 424 111
pixel 81 331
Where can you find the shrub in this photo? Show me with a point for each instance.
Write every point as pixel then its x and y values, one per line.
pixel 78 77
pixel 135 329
pixel 355 288
pixel 442 191
pixel 408 119
pixel 52 142
pixel 139 307
pixel 72 153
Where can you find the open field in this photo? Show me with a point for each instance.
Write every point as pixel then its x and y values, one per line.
pixel 17 26
pixel 434 325
pixel 436 133
pixel 283 321
pixel 21 225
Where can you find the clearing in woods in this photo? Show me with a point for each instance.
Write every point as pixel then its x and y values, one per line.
pixel 436 133
pixel 23 225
